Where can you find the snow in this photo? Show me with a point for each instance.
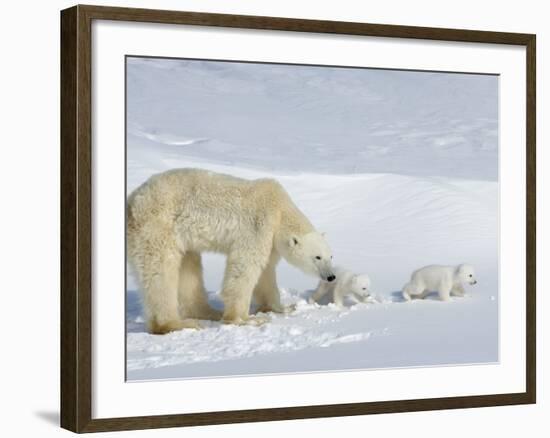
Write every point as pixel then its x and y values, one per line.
pixel 398 168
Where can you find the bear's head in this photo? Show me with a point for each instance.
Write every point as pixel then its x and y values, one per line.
pixel 466 274
pixel 310 253
pixel 360 285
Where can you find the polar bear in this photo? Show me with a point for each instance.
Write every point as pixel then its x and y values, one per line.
pixel 445 280
pixel 355 286
pixel 176 215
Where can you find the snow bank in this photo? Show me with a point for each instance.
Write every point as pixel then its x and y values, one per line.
pixel 385 225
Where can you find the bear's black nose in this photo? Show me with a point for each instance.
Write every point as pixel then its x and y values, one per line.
pixel 331 278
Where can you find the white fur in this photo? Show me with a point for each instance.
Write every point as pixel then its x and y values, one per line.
pixel 346 284
pixel 445 280
pixel 175 216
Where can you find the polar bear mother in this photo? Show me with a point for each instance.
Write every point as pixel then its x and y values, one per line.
pixel 175 216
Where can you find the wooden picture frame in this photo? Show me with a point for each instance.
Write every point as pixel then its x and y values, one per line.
pixel 76 217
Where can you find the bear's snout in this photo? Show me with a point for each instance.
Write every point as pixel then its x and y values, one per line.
pixel 331 278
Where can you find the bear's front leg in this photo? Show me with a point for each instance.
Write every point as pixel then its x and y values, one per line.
pixel 458 290
pixel 322 289
pixel 266 292
pixel 444 292
pixel 358 299
pixel 241 275
pixel 339 294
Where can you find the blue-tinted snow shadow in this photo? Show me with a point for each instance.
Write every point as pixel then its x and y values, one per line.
pixel 397 297
pixel 134 319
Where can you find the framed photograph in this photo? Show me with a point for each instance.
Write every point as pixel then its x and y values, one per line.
pixel 270 218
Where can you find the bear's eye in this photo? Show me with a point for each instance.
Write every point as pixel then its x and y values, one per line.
pixel 318 257
pixel 364 288
pixel 470 275
pixel 331 257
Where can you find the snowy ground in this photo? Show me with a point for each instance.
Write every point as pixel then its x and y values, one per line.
pixel 400 170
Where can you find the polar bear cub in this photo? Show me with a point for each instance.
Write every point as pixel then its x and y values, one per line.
pixel 445 280
pixel 354 286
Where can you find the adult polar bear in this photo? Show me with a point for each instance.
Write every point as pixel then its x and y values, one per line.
pixel 176 215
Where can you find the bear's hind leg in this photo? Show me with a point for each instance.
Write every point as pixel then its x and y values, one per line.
pixel 405 293
pixel 411 290
pixel 160 277
pixel 191 292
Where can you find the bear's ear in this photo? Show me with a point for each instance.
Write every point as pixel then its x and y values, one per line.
pixel 293 241
pixel 323 234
